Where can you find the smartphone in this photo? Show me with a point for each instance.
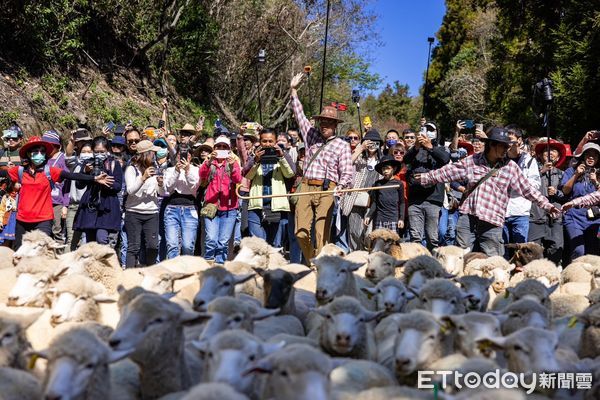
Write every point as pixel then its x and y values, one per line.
pixel 423 132
pixel 469 124
pixel 110 126
pixel 161 124
pixel 479 127
pixel 222 154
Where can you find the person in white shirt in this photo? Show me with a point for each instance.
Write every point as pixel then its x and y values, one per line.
pixel 181 216
pixel 516 224
pixel 141 205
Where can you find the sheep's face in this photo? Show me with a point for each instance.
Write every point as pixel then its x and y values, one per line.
pixel 39 247
pixel 469 328
pixel 30 290
pixel 248 256
pixel 590 337
pixel 343 332
pixel 439 306
pixel 382 244
pixel 389 298
pixel 278 287
pixel 161 282
pixel 528 350
pixel 501 279
pixel 334 276
pixel 12 342
pixel 242 318
pixel 476 292
pixel 379 266
pixel 306 385
pixel 413 349
pixel 452 263
pixel 68 307
pixel 213 286
pixel 68 379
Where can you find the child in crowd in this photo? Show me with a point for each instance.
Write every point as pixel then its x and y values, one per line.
pixel 387 206
pixel 8 214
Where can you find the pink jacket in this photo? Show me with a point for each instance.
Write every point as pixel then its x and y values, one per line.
pixel 221 189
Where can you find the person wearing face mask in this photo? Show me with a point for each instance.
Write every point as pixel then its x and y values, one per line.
pixel 425 203
pixel 578 181
pixel 353 206
pixel 391 139
pixel 60 200
pixel 86 154
pixel 12 139
pixel 99 213
pixel 35 200
pixel 328 167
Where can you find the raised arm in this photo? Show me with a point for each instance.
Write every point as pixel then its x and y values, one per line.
pixel 523 187
pixel 448 173
pixel 308 133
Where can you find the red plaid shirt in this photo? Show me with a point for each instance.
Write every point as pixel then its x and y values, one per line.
pixel 489 201
pixel 589 200
pixel 334 162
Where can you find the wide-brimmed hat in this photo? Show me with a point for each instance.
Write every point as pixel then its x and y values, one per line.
pixel 81 134
pixel 329 113
pixel 388 160
pixel 51 137
pixel 200 147
pixel 35 141
pixel 372 135
pixel 541 147
pixel 498 134
pixel 467 146
pixel 589 146
pixel 161 143
pixel 145 146
pixel 253 137
pixel 118 141
pixel 188 128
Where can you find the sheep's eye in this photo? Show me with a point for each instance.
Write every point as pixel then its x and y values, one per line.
pixel 424 300
pixel 342 271
pixel 462 329
pixel 379 290
pixel 157 321
pixel 226 283
pixel 284 373
pixel 452 301
pixel 329 317
pixel 516 347
pixel 402 294
pixel 7 335
pixel 431 337
pixel 86 255
pixel 89 366
pixel 513 314
pixel 251 357
pixel 210 354
pixel 237 319
pixel 361 319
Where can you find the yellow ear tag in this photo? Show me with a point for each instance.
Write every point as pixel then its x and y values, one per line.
pixel 443 329
pixel 32 361
pixel 572 322
pixel 506 294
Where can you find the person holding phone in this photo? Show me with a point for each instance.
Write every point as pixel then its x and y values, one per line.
pixel 141 204
pixel 219 174
pixel 267 172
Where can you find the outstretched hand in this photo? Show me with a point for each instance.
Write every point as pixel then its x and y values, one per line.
pixel 554 212
pixel 296 80
pixel 105 179
pixel 567 206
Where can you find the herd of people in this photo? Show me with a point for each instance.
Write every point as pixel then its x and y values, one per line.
pixel 155 194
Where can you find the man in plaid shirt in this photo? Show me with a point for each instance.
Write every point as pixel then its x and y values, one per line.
pixel 331 169
pixel 482 213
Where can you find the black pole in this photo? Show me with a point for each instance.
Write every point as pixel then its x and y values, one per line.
pixel 258 94
pixel 360 129
pixel 324 56
pixel 425 89
pixel 310 96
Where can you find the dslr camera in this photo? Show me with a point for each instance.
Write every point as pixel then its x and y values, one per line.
pixel 355 96
pixel 270 156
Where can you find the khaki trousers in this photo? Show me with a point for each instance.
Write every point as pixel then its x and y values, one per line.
pixel 317 208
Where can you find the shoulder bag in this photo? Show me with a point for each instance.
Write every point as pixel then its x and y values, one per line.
pixel 469 191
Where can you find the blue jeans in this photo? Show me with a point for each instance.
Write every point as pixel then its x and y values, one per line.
pixel 260 228
pixel 180 221
pixel 295 250
pixel 218 232
pixel 281 230
pixel 447 227
pixel 238 227
pixel 341 238
pixel 516 229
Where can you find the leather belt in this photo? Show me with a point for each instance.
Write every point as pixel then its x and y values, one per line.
pixel 316 182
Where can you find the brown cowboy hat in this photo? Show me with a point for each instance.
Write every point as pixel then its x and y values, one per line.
pixel 329 113
pixel 188 128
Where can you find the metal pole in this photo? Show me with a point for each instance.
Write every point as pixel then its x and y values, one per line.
pixel 324 56
pixel 260 117
pixel 425 89
pixel 359 120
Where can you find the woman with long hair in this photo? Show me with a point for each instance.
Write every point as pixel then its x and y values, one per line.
pixel 141 205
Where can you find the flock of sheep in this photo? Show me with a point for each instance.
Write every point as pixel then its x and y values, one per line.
pixel 358 326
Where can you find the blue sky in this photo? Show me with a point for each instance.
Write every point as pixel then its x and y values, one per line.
pixel 404 26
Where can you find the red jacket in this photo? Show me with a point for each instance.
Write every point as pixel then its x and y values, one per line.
pixel 221 188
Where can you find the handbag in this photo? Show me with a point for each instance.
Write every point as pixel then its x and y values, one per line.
pixel 209 210
pixel 294 199
pixel 362 199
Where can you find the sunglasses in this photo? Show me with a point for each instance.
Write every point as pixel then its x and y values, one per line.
pixel 409 137
pixel 353 137
pixel 398 152
pixel 132 141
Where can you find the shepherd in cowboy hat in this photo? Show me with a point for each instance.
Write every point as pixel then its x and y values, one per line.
pixel 328 166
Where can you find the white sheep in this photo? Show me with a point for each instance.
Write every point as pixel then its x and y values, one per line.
pixel 529 288
pixel 542 270
pixel 257 252
pixel 77 298
pixel 151 330
pixel 579 271
pixel 35 275
pixel 16 384
pixel 14 343
pixel 217 282
pixel 78 367
pixel 441 297
pixel 524 313
pixel 491 267
pixel 345 331
pixel 335 278
pixel 37 243
pixel 388 241
pixel 213 391
pixel 419 269
pixel 229 354
pixel 466 329
pixel 6 257
pixel 451 258
pixel 381 265
pixel 390 295
pixel 476 290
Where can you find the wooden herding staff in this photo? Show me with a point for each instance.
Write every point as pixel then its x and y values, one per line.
pixel 271 196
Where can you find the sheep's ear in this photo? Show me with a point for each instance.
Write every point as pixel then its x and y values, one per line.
pixel 466 251
pixel 593 284
pixel 58 272
pixel 447 323
pixel 241 278
pixel 434 252
pixel 269 348
pixel 193 317
pixel 262 313
pixel 369 291
pixel 168 295
pixel 104 298
pixel 514 246
pixel 200 345
pixel 175 276
pixel 34 355
pixel 490 280
pixel 496 343
pixel 263 366
pixel 552 288
pixel 301 275
pixel 400 263
pixel 322 311
pixel 352 266
pixel 584 319
pixel 414 291
pixel 121 289
pixel 56 246
pixel 260 271
pixel 511 267
pixel 371 315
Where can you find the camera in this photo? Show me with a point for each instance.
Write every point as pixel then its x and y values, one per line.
pixel 184 150
pixel 355 96
pixel 270 156
pixel 543 90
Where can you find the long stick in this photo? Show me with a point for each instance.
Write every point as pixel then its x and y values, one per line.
pixel 272 196
pixel 324 57
pixel 425 89
pixel 260 117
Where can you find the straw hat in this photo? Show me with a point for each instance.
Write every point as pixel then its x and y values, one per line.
pixel 188 128
pixel 145 146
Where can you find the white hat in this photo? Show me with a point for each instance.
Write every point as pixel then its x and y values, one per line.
pixel 224 140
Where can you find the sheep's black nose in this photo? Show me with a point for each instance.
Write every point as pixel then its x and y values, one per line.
pixel 114 342
pixel 401 362
pixel 321 293
pixel 342 338
pixel 199 304
pixel 370 272
pixel 388 306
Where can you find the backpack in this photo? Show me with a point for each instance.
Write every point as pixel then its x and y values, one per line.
pixel 46 172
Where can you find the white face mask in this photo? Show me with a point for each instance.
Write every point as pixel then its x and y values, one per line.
pixel 432 135
pixel 86 156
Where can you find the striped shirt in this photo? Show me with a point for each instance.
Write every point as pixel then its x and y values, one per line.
pixel 589 200
pixel 334 162
pixel 489 201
